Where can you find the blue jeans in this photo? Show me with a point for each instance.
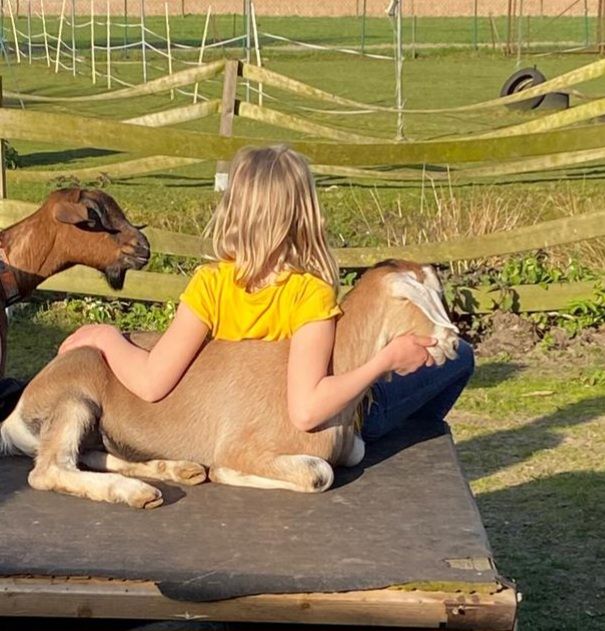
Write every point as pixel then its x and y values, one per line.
pixel 426 395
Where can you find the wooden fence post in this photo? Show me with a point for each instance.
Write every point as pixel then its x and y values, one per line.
pixel 3 193
pixel 232 70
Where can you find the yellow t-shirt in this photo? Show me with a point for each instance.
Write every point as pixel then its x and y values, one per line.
pixel 273 312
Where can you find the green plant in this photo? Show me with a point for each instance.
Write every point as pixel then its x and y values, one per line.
pixel 12 159
pixel 127 316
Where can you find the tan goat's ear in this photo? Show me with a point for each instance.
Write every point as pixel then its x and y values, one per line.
pixel 68 212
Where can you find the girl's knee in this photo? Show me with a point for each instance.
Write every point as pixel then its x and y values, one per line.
pixel 466 358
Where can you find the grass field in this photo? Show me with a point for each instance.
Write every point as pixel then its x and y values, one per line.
pixel 529 428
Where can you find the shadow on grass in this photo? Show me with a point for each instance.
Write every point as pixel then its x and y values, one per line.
pixel 491 374
pixel 548 535
pixel 40 158
pixel 30 346
pixel 485 455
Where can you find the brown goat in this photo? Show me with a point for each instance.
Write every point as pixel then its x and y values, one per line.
pixel 73 226
pixel 228 412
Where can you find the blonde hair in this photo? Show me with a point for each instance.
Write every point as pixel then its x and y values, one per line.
pixel 269 218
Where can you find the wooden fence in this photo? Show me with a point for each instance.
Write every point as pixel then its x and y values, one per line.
pixel 160 287
pixel 156 149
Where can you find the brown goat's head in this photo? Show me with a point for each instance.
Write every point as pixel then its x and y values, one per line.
pixel 92 230
pixel 407 298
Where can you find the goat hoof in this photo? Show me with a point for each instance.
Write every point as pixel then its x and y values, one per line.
pixel 154 503
pixel 189 473
pixel 147 498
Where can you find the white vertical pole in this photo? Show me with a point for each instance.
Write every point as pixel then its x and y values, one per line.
pixel 12 17
pixel 73 37
pixel 108 45
pixel 45 33
pixel 257 51
pixel 143 43
pixel 168 46
pixel 202 46
pixel 247 4
pixel 60 34
pixel 29 31
pixel 399 64
pixel 520 34
pixel 92 42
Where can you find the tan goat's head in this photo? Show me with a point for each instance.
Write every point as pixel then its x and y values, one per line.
pixel 92 230
pixel 404 297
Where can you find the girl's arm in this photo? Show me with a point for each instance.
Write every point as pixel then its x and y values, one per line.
pixel 314 396
pixel 150 375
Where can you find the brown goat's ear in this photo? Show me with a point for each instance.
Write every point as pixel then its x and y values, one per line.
pixel 68 212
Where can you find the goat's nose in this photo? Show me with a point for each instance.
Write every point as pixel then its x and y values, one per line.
pixel 142 246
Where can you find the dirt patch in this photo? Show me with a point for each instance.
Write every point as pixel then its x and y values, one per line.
pixel 318 8
pixel 507 333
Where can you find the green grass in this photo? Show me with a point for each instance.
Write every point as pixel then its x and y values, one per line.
pixel 336 32
pixel 531 441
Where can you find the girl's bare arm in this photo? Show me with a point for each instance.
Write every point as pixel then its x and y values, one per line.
pixel 314 396
pixel 150 375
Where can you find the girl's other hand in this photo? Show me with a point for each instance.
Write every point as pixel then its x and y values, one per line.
pixel 95 335
pixel 407 353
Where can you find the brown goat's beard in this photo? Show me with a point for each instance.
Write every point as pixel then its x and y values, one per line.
pixel 115 276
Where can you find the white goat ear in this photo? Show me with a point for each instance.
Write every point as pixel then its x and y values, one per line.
pixel 431 279
pixel 427 299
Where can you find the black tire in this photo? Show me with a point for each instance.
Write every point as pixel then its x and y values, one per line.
pixel 519 81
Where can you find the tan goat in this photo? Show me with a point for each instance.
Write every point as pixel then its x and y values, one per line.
pixel 228 413
pixel 73 226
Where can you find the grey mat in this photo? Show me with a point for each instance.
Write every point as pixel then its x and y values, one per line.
pixel 396 518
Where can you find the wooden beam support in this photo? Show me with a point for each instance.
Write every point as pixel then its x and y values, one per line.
pixel 232 70
pixel 99 598
pixel 3 193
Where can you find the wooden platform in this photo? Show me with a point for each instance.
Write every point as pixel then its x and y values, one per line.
pixel 398 542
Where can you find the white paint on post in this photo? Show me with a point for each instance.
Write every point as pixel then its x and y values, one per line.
pixel 143 42
pixel 202 47
pixel 45 33
pixel 92 42
pixel 59 36
pixel 14 26
pixel 168 46
pixel 257 51
pixel 108 44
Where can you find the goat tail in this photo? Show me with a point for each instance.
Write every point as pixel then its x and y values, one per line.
pixel 16 437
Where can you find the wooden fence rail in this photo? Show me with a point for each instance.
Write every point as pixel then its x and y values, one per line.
pixel 160 287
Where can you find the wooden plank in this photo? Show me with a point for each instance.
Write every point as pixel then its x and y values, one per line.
pixel 146 286
pixel 82 131
pixel 541 235
pixel 100 598
pixel 526 298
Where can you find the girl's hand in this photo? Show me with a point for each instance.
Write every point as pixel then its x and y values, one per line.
pixel 407 353
pixel 95 335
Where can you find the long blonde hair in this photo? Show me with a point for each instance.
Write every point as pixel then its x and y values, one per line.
pixel 269 218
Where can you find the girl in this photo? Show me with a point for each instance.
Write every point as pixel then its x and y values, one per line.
pixel 275 278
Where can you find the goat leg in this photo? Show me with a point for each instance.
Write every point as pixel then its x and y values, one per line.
pixel 57 456
pixel 179 471
pixel 305 474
